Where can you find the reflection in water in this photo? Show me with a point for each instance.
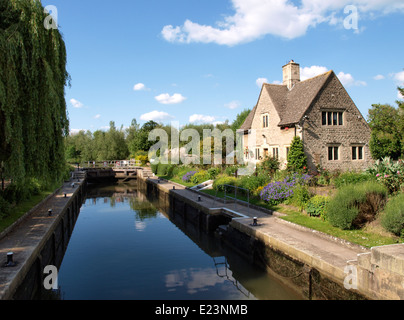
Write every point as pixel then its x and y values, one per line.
pixel 125 247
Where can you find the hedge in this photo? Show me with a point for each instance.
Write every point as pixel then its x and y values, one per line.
pixel 393 216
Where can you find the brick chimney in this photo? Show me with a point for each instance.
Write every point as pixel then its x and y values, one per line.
pixel 291 74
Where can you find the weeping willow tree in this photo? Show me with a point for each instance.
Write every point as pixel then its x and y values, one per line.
pixel 33 76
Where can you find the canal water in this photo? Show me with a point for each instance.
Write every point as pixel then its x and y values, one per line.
pixel 124 247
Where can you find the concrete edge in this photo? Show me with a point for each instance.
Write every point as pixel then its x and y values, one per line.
pixel 332 271
pixel 277 215
pixel 16 223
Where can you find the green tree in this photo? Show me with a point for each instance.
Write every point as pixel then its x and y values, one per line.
pixel 33 76
pixel 240 118
pixel 297 159
pixel 400 104
pixel 384 120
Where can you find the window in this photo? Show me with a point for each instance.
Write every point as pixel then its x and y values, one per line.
pixel 333 118
pixel 324 118
pixel 257 153
pixel 357 153
pixel 333 153
pixel 275 153
pixel 265 121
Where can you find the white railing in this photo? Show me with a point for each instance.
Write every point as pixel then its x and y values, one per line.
pixel 115 164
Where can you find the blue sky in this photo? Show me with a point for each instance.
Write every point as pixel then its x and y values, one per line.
pixel 204 61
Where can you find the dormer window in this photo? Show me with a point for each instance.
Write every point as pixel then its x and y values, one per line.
pixel 332 118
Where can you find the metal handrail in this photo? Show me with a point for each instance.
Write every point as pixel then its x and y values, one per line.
pixel 112 164
pixel 235 194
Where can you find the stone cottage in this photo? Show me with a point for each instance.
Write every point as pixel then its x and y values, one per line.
pixel 319 110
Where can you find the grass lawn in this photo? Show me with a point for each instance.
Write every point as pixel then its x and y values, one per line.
pixel 19 210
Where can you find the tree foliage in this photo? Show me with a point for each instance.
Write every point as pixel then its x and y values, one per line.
pixel 384 120
pixel 33 76
pixel 297 159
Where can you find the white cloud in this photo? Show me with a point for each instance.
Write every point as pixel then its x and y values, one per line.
pixel 399 77
pixel 75 103
pixel 348 80
pixel 310 72
pixel 165 98
pixel 261 81
pixel 200 118
pixel 156 116
pixel 233 105
pixel 400 96
pixel 76 131
pixel 378 77
pixel 139 87
pixel 97 116
pixel 253 19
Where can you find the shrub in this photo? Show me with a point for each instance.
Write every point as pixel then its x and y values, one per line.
pixel 162 169
pixel 199 177
pixel 15 193
pixel 301 196
pixel 297 159
pixel 277 192
pixel 231 170
pixel 213 173
pixel 253 182
pixel 354 205
pixel 187 177
pixel 388 172
pixel 393 216
pixel 352 178
pixel 219 183
pixel 317 206
pixel 5 208
pixel 257 192
pixel 268 166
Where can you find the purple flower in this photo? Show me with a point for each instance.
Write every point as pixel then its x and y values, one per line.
pixel 186 177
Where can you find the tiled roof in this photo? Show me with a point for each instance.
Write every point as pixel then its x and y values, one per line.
pixel 291 104
pixel 248 121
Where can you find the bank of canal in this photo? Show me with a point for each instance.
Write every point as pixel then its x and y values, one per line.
pixel 311 263
pixel 125 246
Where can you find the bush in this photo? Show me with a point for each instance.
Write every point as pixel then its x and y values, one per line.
pixel 231 171
pixel 187 177
pixel 15 193
pixel 200 177
pixel 301 196
pixel 297 159
pixel 5 208
pixel 388 172
pixel 317 206
pixel 354 205
pixel 253 182
pixel 213 173
pixel 268 166
pixel 219 183
pixel 162 169
pixel 393 216
pixel 277 192
pixel 352 178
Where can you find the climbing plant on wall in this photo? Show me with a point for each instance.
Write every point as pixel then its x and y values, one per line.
pixel 33 76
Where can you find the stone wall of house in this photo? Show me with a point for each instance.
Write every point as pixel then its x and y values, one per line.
pixel 354 131
pixel 274 136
